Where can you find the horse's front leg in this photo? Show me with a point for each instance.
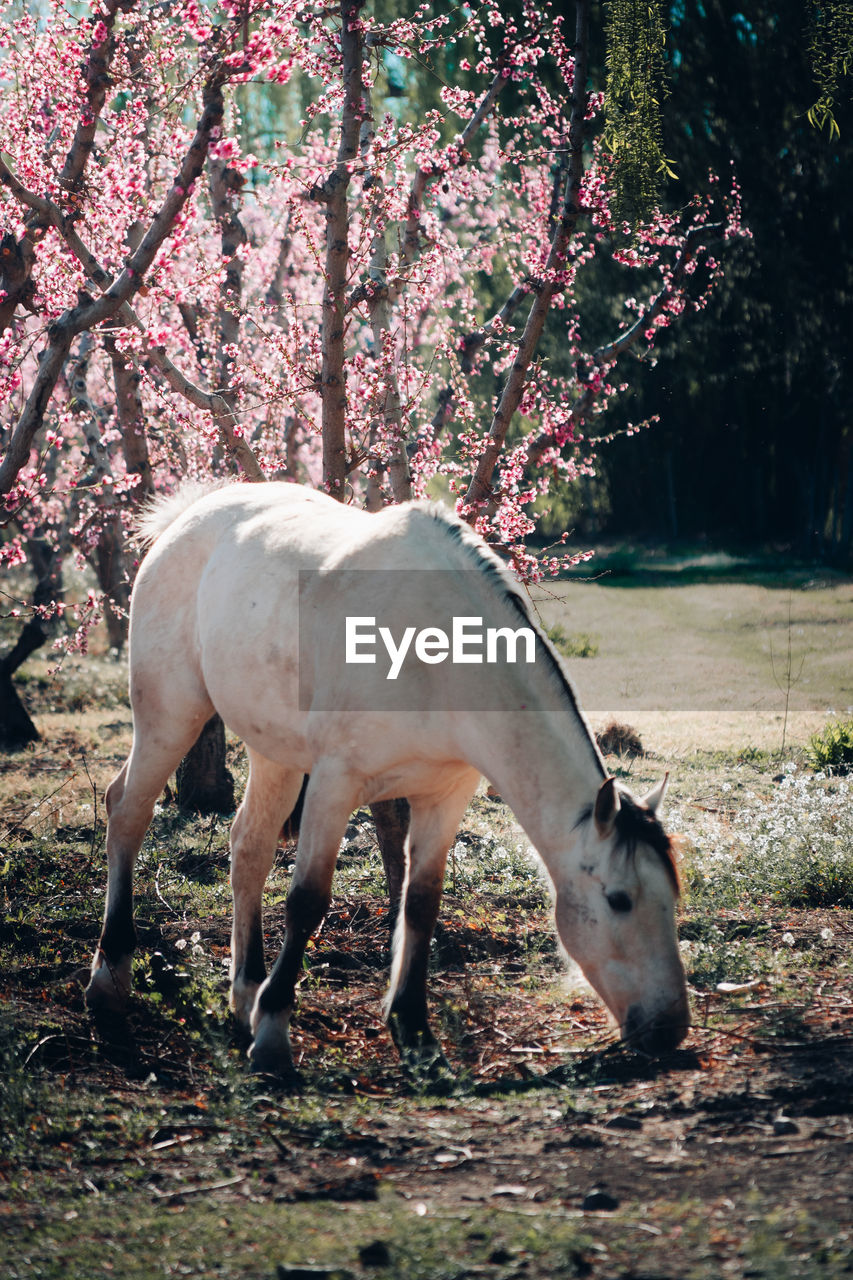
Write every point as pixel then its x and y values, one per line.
pixel 433 827
pixel 271 793
pixel 331 796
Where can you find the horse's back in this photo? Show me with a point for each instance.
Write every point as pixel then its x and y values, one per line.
pixel 216 606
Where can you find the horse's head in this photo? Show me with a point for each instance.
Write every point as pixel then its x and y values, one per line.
pixel 616 916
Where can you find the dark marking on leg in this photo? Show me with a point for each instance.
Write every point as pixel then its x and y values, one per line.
pixel 391 819
pixel 118 937
pixel 408 1013
pixel 290 829
pixel 253 968
pixel 304 910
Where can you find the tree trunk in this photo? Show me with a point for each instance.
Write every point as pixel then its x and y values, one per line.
pixel 113 580
pixel 203 783
pixel 16 726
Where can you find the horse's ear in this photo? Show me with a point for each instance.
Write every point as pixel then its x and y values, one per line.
pixel 607 805
pixel 654 800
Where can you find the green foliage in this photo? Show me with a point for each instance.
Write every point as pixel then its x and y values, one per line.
pixel 636 86
pixel 20 1091
pixel 578 645
pixel 711 957
pixel 728 456
pixel 831 51
pixel 831 750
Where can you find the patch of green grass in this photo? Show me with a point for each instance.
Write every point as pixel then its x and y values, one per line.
pixel 195 1236
pixel 21 1093
pixel 711 956
pixel 579 645
pixel 831 750
pixel 157 1228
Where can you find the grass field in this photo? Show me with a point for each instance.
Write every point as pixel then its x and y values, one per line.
pixel 700 658
pixel 146 1149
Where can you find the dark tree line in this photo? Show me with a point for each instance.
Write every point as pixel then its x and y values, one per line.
pixel 755 440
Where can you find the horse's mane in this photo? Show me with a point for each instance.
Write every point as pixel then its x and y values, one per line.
pixel 507 587
pixel 634 822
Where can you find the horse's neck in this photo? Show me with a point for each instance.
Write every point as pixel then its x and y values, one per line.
pixel 545 765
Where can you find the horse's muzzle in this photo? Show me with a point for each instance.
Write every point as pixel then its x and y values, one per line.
pixel 656 1033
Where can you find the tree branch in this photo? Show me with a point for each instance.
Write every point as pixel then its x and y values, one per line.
pixel 334 193
pixel 91 312
pixel 472 342
pixel 19 256
pixel 131 419
pixel 480 489
pixel 388 423
pixel 224 182
pixel 609 354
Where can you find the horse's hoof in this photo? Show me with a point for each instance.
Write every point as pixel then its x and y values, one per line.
pixel 427 1069
pixel 242 1001
pixel 269 1052
pixel 109 987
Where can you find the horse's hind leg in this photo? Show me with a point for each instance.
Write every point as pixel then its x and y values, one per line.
pixel 433 827
pixel 158 747
pixel 331 796
pixel 271 793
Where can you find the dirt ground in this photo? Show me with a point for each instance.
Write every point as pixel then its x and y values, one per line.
pixel 729 1157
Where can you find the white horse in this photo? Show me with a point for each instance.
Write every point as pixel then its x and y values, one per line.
pixel 241 606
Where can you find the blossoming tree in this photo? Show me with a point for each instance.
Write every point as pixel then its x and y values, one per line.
pixel 174 306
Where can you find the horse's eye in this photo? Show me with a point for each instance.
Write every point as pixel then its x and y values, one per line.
pixel 619 901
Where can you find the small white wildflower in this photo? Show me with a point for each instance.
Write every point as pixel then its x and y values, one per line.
pixel 788 939
pixel 826 935
pixel 181 944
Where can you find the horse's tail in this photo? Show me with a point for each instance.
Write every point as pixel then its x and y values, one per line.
pixel 156 516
